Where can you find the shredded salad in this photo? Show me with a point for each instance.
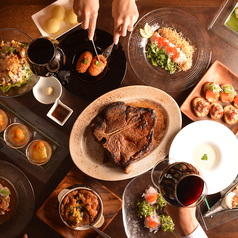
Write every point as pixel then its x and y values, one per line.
pixel 13 68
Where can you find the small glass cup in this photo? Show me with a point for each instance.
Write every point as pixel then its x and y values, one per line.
pixel 16 135
pixel 180 183
pixel 3 120
pixel 38 152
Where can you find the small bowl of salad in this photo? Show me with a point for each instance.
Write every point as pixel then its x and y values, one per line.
pixel 15 76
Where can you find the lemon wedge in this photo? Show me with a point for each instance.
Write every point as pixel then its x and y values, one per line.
pixel 143 33
pixel 148 30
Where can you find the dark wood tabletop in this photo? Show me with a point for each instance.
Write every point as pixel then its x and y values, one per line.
pixel 17 14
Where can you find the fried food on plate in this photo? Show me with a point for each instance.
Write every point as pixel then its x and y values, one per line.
pixel 84 62
pixel 97 67
pixel 201 106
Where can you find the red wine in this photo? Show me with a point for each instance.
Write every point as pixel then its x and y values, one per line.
pixel 189 189
pixel 41 51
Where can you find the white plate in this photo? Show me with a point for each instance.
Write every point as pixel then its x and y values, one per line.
pixel 40 17
pixel 88 155
pixel 222 139
pixel 39 90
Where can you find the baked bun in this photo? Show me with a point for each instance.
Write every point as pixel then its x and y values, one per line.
pixel 51 25
pixel 211 91
pixel 216 110
pixel 228 93
pixel 230 114
pixel 58 12
pixel 201 106
pixel 70 16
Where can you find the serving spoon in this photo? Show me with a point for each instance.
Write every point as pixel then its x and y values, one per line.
pixel 86 217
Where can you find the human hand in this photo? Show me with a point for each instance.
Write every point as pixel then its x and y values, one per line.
pixel 87 12
pixel 184 218
pixel 125 14
pixel 25 236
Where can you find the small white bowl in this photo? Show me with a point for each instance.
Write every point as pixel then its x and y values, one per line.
pixel 40 90
pixel 59 112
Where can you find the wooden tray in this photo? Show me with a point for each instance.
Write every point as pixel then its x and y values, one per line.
pixel 48 212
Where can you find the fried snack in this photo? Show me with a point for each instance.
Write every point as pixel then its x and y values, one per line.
pixel 84 62
pixel 96 68
pixel 201 106
pixel 216 111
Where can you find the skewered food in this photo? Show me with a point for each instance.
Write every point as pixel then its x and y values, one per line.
pixel 125 132
pixel 201 106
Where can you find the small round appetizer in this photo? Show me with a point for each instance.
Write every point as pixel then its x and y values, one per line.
pixel 96 66
pixel 230 114
pixel 38 152
pixel 216 110
pixel 228 93
pixel 3 120
pixel 84 62
pixel 201 106
pixel 211 91
pixel 16 135
pixel 235 101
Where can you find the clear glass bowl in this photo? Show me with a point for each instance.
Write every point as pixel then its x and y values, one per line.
pixel 38 156
pixel 16 139
pixel 156 76
pixel 7 35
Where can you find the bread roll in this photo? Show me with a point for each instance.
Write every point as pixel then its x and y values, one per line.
pixel 70 16
pixel 51 25
pixel 58 12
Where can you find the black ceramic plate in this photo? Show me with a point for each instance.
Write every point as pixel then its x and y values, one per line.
pixel 23 199
pixel 84 85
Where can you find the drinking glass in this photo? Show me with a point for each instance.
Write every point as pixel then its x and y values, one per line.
pixel 180 183
pixel 45 57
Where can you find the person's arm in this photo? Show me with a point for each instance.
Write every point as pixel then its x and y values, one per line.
pixel 87 12
pixel 125 14
pixel 186 222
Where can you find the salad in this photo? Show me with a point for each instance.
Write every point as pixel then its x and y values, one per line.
pixel 151 208
pixel 14 71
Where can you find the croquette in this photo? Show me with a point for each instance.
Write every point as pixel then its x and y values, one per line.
pixel 96 68
pixel 84 62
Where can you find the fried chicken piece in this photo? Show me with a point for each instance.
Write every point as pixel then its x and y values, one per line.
pixel 96 68
pixel 84 62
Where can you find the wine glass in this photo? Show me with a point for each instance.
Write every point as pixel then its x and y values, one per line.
pixel 180 183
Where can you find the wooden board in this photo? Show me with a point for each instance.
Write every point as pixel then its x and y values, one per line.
pixel 48 212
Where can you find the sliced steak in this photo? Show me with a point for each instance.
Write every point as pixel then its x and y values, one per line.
pixel 125 132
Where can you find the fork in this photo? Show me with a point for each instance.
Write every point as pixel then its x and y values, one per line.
pixel 107 52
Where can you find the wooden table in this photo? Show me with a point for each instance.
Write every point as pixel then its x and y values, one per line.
pixel 17 14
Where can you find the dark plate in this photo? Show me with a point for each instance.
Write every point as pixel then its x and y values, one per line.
pixel 84 85
pixel 25 203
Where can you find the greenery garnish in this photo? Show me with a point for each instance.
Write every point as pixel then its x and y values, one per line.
pixel 4 192
pixel 205 157
pixel 160 58
pixel 166 223
pixel 144 209
pixel 85 61
pixel 97 63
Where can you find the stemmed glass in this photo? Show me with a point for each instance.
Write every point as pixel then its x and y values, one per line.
pixel 180 183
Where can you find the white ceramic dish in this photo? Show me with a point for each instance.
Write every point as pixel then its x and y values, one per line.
pixel 40 17
pixel 225 144
pixel 59 112
pixel 39 90
pixel 88 155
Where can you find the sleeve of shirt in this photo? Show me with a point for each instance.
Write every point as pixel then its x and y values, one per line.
pixel 197 233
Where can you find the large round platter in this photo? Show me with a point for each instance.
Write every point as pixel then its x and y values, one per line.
pixel 25 197
pixel 225 144
pixel 84 85
pixel 88 155
pixel 156 76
